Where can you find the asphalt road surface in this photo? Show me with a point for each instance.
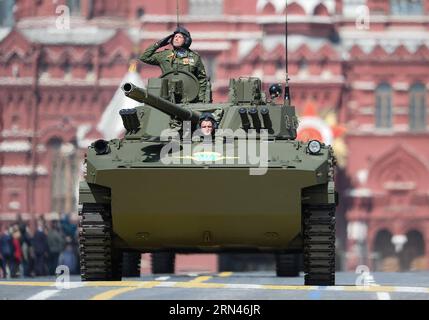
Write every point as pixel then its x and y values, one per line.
pixel 222 286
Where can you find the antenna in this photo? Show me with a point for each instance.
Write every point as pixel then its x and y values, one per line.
pixel 177 12
pixel 287 90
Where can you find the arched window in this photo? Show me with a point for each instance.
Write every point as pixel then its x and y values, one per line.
pixel 413 251
pixel 295 9
pixel 383 106
pixel 384 251
pixel 303 66
pixel 75 7
pixel 321 10
pixel 269 9
pixel 64 176
pixel 406 7
pixel 90 8
pixel 6 13
pixel 140 12
pixel 383 243
pixel 205 7
pixel 417 114
pixel 210 63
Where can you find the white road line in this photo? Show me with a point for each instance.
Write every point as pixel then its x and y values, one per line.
pixel 44 295
pixel 73 285
pixel 380 295
pixel 243 286
pixel 412 289
pixel 162 278
pixel 193 274
pixel 336 288
pixel 383 296
pixel 69 285
pixel 166 284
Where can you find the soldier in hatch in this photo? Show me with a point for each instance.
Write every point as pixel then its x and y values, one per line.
pixel 180 58
pixel 207 125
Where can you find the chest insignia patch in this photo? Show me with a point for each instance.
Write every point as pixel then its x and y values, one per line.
pixel 181 53
pixel 170 56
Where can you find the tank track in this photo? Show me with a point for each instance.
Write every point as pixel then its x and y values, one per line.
pixel 99 261
pixel 287 265
pixel 163 262
pixel 131 264
pixel 319 244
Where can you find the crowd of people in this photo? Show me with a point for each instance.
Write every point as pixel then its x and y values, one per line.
pixel 36 250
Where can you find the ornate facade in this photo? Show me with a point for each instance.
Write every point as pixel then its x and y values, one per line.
pixel 364 77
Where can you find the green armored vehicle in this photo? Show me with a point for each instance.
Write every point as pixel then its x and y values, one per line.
pixel 250 187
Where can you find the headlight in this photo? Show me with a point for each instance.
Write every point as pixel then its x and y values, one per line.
pixel 101 147
pixel 314 147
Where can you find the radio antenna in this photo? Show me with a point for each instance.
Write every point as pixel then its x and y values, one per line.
pixel 287 97
pixel 177 12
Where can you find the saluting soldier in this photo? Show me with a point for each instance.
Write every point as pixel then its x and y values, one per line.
pixel 180 58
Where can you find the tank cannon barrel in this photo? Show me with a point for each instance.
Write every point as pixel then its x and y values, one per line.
pixel 143 96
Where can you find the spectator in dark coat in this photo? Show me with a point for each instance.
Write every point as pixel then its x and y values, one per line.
pixel 68 228
pixel 22 229
pixel 69 258
pixel 56 246
pixel 2 267
pixel 3 272
pixel 28 253
pixel 6 249
pixel 41 250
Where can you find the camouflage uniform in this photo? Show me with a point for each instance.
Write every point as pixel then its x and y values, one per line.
pixel 178 59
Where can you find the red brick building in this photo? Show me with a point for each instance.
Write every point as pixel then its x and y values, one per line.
pixel 359 65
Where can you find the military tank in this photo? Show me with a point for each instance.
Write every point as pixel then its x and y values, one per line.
pixel 160 190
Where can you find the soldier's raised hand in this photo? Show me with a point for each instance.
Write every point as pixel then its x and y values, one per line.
pixel 164 42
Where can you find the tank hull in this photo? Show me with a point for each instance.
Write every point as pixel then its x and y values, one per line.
pixel 205 210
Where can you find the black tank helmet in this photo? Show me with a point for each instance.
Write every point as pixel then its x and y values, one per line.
pixel 275 90
pixel 207 116
pixel 186 34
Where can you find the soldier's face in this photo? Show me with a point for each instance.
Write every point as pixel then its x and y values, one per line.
pixel 178 40
pixel 207 128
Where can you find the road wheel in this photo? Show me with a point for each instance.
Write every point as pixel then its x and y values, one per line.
pixel 287 265
pixel 163 262
pixel 131 264
pixel 319 244
pixel 99 260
